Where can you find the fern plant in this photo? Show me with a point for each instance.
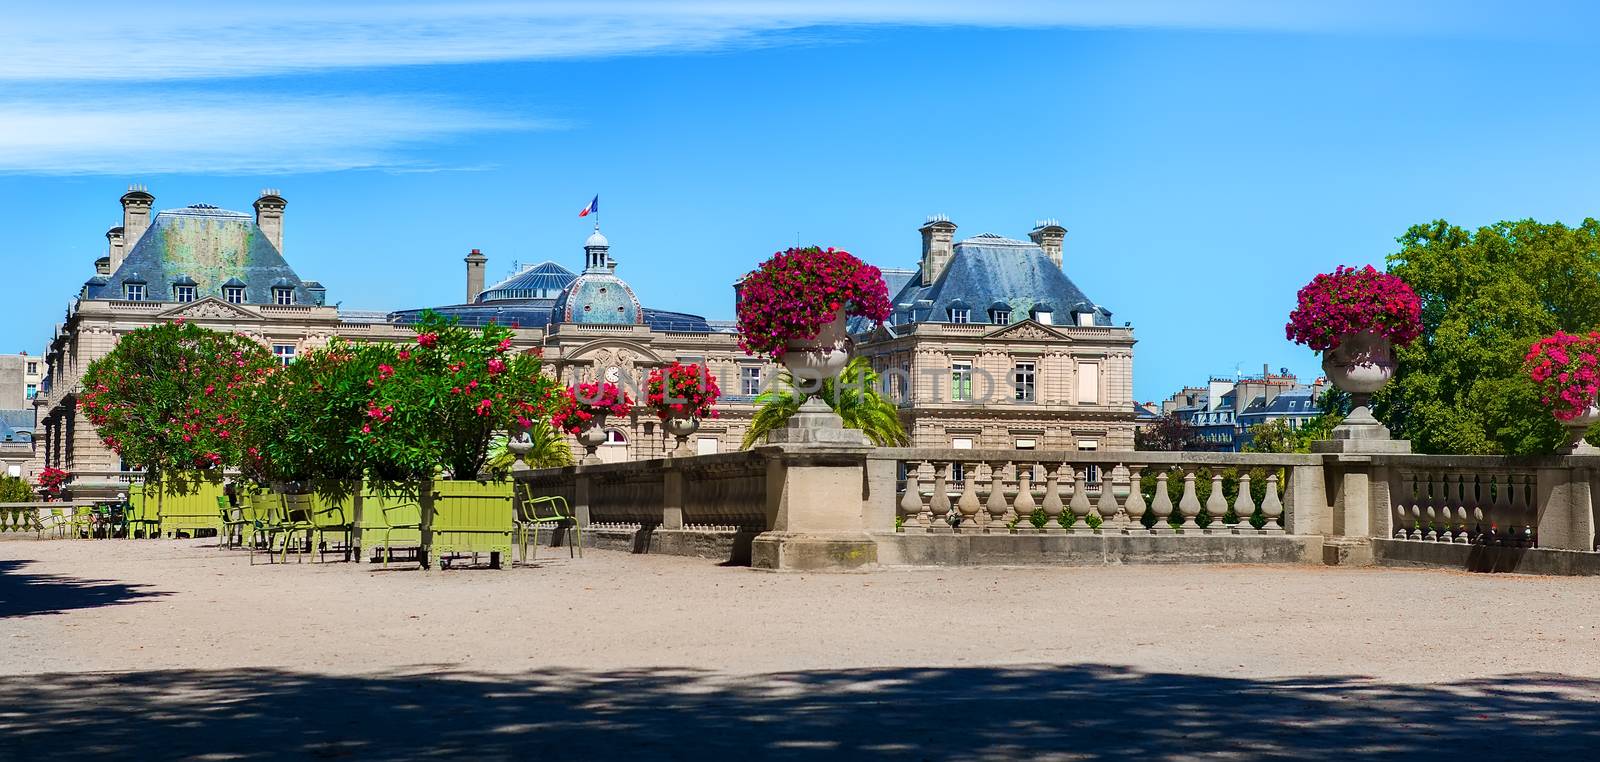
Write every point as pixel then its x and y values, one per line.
pixel 854 395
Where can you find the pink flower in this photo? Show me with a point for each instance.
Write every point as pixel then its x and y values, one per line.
pixel 496 366
pixel 428 339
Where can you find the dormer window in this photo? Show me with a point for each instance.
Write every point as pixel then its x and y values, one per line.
pixel 133 292
pixel 282 295
pixel 183 293
pixel 233 294
pixel 1086 319
pixel 1000 317
pixel 960 315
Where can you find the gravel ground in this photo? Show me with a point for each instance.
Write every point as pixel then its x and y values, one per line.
pixel 652 656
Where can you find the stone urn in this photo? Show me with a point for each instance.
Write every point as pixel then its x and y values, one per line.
pixel 681 428
pixel 1578 427
pixel 591 438
pixel 820 357
pixel 519 444
pixel 1360 365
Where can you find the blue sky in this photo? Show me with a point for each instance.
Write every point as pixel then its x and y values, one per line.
pixel 1207 158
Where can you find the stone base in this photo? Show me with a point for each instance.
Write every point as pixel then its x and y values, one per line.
pixel 817 424
pixel 1362 446
pixel 1347 551
pixel 783 551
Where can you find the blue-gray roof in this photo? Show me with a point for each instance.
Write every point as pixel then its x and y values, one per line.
pixel 16 425
pixel 598 297
pixel 989 268
pixel 545 280
pixel 210 245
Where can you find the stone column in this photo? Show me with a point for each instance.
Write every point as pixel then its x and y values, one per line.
pixel 1566 509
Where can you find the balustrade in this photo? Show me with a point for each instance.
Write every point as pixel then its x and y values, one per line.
pixel 1486 506
pixel 1090 492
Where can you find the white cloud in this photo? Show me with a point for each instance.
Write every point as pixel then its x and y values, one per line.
pixel 228 134
pixel 189 40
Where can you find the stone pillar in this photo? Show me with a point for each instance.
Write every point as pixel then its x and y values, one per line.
pixel 1350 544
pixel 938 236
pixel 136 205
pixel 269 217
pixel 475 264
pixel 672 499
pixel 1565 509
pixel 817 497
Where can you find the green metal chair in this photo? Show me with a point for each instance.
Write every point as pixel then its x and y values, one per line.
pixel 235 525
pixel 397 519
pixel 55 521
pixel 136 515
pixel 535 511
pixel 266 522
pixel 81 521
pixel 328 516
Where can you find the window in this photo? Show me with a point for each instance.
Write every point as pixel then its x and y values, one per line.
pixel 1028 443
pixel 33 368
pixel 183 293
pixel 1086 319
pixel 284 353
pixel 1000 317
pixel 616 437
pixel 1022 381
pixel 706 446
pixel 1091 472
pixel 33 391
pixel 282 295
pixel 1043 317
pixel 897 385
pixel 750 380
pixel 1088 383
pixel 960 382
pixel 960 316
pixel 958 469
pixel 133 292
pixel 233 294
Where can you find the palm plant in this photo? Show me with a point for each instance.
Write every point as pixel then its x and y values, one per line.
pixel 550 449
pixel 854 395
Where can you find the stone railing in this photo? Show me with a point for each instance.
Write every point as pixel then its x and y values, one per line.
pixel 29 517
pixel 1104 492
pixel 845 506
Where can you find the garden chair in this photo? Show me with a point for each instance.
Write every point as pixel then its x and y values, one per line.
pixel 235 524
pixel 295 518
pixel 267 522
pixel 136 514
pixel 56 521
pixel 397 519
pixel 536 511
pixel 81 520
pixel 328 517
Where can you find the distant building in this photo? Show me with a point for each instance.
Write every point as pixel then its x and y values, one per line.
pixel 1222 411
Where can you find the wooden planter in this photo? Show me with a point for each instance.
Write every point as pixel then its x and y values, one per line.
pixel 467 517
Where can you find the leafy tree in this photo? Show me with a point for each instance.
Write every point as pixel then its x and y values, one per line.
pixel 166 398
pixel 14 489
pixel 1278 436
pixel 1487 295
pixel 854 395
pixel 301 423
pixel 1170 434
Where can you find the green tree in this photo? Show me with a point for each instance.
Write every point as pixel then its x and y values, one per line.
pixel 166 398
pixel 14 489
pixel 854 395
pixel 1486 296
pixel 1170 434
pixel 1279 436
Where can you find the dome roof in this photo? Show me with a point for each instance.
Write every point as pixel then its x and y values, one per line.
pixel 545 280
pixel 596 239
pixel 598 297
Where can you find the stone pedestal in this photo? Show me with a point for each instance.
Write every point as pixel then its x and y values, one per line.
pixel 817 500
pixel 1362 434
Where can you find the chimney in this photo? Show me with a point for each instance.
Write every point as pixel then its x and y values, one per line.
pixel 1048 235
pixel 116 251
pixel 269 216
pixel 475 262
pixel 136 205
pixel 937 247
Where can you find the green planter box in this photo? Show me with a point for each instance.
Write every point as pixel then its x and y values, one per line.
pixel 185 503
pixel 467 517
pixel 388 521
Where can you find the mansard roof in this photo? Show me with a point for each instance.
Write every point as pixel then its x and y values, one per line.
pixel 990 269
pixel 209 245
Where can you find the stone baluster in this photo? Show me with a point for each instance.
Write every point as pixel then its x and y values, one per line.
pixel 968 502
pixel 1523 512
pixel 1405 487
pixel 1052 496
pixel 1162 505
pixel 1476 495
pixel 1080 499
pixel 1455 486
pixel 1135 504
pixel 1112 520
pixel 1189 503
pixel 1023 505
pixel 1272 507
pixel 1496 512
pixel 1244 506
pixel 1419 499
pixel 911 510
pixel 997 507
pixel 939 503
pixel 1216 505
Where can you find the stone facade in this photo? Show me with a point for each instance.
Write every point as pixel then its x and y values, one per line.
pixel 591 325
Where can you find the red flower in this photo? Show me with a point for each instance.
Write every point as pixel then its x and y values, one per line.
pixel 428 339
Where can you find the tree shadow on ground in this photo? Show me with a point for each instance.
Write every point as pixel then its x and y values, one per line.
pixel 1090 712
pixel 23 594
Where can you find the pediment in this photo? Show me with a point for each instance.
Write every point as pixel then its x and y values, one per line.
pixel 1028 330
pixel 209 307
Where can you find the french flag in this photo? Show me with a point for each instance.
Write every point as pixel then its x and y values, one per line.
pixel 592 208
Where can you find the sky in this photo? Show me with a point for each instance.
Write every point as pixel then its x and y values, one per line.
pixel 1207 158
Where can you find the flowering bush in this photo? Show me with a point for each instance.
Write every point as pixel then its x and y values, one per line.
pixel 51 480
pixel 583 403
pixel 1349 301
pixel 1566 368
pixel 167 398
pixel 438 402
pixel 299 422
pixel 795 293
pixel 682 391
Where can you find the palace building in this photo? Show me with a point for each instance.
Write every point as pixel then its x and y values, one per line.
pixel 991 344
